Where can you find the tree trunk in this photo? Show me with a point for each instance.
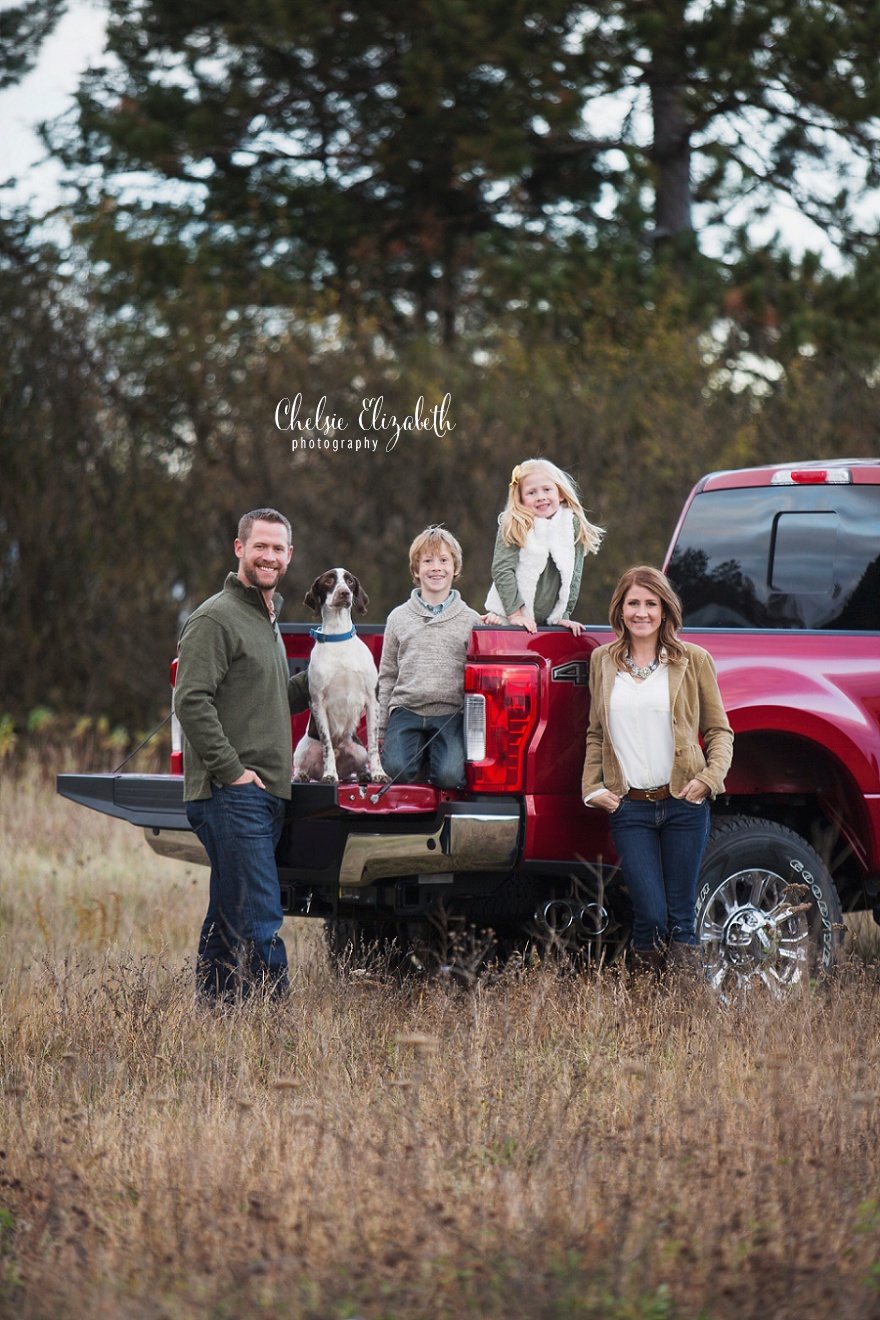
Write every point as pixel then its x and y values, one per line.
pixel 666 78
pixel 671 156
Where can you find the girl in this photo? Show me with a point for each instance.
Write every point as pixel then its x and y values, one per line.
pixel 653 697
pixel 543 536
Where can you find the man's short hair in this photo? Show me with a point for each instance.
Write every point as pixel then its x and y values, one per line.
pixel 246 523
pixel 429 542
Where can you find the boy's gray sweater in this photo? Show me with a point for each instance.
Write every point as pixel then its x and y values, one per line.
pixel 423 658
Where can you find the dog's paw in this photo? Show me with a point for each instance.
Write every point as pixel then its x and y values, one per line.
pixel 378 777
pixel 301 779
pixel 329 779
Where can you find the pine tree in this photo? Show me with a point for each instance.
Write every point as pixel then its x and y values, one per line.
pixel 360 150
pixel 378 160
pixel 23 29
pixel 743 102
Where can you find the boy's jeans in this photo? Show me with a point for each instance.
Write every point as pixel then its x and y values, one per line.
pixel 404 748
pixel 240 948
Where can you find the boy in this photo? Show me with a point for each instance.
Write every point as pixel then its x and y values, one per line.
pixel 421 677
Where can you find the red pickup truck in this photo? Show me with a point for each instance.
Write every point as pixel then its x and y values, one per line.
pixel 779 573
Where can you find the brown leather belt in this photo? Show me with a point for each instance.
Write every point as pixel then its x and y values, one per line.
pixel 649 794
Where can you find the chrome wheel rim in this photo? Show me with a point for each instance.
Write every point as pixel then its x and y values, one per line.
pixel 755 930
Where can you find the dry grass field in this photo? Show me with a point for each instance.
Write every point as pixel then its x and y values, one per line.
pixel 540 1144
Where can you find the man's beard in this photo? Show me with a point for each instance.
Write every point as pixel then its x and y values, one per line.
pixel 251 571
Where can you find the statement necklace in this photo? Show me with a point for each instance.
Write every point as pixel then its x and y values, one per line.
pixel 636 670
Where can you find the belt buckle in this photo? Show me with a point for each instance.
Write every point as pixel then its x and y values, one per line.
pixel 649 793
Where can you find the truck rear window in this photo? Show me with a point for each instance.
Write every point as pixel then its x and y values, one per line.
pixel 780 557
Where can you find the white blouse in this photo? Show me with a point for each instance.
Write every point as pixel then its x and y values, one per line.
pixel 640 725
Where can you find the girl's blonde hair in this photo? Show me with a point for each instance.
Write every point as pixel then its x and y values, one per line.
pixel 517 520
pixel 649 579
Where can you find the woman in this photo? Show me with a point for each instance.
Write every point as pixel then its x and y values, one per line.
pixel 652 697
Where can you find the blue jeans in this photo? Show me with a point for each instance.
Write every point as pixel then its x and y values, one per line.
pixel 660 846
pixel 239 947
pixel 405 747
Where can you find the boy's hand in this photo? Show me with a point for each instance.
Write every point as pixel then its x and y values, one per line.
pixel 575 628
pixel 492 618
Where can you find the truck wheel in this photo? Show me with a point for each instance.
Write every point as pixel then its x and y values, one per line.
pixel 767 908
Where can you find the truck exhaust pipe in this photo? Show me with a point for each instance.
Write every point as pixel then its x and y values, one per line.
pixel 571 921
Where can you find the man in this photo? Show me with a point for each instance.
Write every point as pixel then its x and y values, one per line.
pixel 234 700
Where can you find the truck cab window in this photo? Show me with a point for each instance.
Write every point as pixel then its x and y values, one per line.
pixel 803 554
pixel 796 557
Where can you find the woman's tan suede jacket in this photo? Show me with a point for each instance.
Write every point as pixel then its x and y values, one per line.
pixel 696 708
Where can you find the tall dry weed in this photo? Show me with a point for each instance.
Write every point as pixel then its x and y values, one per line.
pixel 539 1144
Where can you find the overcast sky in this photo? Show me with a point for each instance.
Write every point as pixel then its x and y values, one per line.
pixel 46 91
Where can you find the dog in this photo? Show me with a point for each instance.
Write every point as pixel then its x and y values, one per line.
pixel 342 685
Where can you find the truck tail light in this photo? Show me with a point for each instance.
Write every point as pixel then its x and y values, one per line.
pixel 500 716
pixel 474 726
pixel 176 731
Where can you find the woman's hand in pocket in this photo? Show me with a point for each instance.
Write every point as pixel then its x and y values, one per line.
pixel 607 800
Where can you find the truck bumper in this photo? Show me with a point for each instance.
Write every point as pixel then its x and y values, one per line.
pixel 411 830
pixel 462 836
pixel 470 840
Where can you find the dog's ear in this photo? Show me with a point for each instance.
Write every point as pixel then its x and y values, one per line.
pixel 312 598
pixel 361 599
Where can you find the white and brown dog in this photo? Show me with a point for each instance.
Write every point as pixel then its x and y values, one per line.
pixel 342 685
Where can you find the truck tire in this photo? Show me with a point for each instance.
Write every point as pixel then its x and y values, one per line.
pixel 767 908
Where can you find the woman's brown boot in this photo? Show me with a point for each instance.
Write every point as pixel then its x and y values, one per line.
pixel 684 960
pixel 648 962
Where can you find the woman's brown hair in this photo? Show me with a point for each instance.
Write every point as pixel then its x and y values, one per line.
pixel 651 579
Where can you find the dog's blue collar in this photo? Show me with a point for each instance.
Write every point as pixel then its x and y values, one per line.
pixel 318 634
